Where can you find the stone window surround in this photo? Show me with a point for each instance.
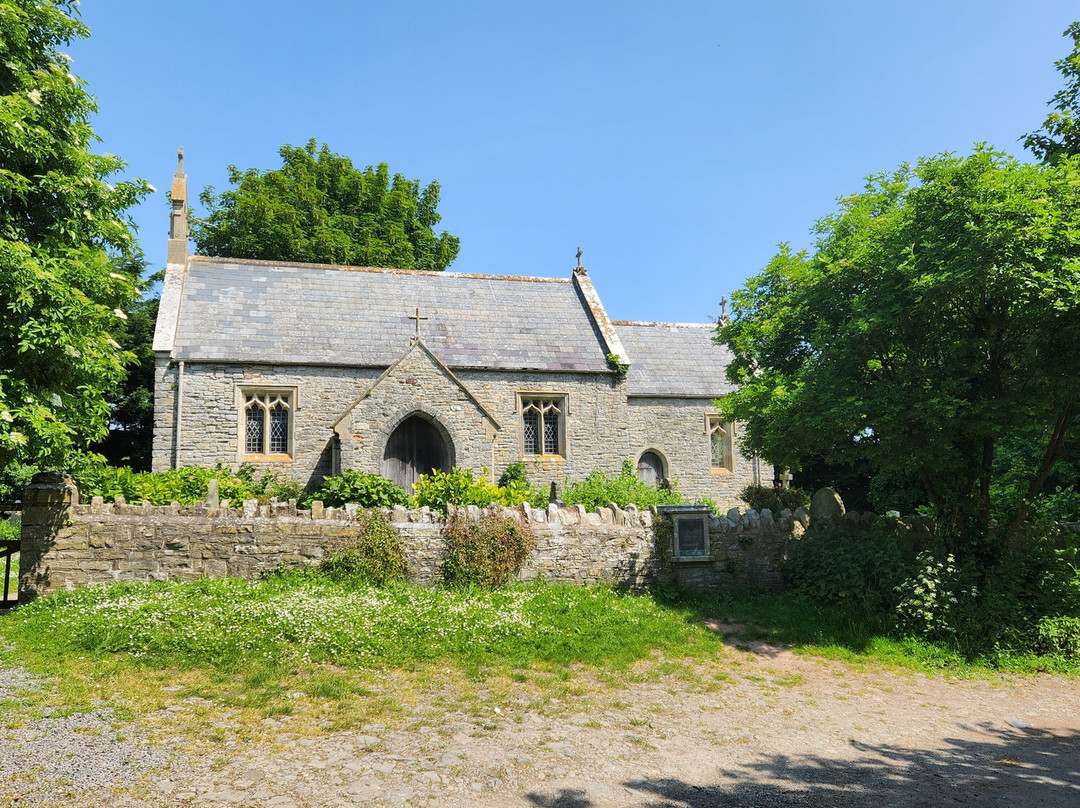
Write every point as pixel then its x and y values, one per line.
pixel 713 421
pixel 290 397
pixel 562 400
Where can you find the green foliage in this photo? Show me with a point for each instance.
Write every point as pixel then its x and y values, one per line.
pixel 366 490
pixel 513 474
pixel 9 531
pixel 930 597
pixel 131 423
pixel 186 485
pixel 600 490
pixel 615 363
pixel 460 487
pixel 66 247
pixel 14 477
pixel 376 557
pixel 1059 136
pixel 317 207
pixel 860 572
pixel 1063 505
pixel 485 553
pixel 925 326
pixel 759 497
pixel 1059 636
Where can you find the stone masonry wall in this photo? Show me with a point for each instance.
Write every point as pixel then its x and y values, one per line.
pixel 211 413
pixel 66 544
pixel 675 428
pixel 602 427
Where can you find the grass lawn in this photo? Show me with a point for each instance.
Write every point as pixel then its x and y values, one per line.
pixel 355 653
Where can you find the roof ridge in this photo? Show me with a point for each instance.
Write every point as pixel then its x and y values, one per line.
pixel 652 324
pixel 207 259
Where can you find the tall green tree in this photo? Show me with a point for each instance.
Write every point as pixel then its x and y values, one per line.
pixel 131 404
pixel 66 244
pixel 319 208
pixel 936 315
pixel 1060 133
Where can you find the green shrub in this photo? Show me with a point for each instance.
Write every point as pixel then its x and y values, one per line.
pixel 759 497
pixel 517 488
pixel 376 557
pixel 600 490
pixel 1063 505
pixel 14 477
pixel 186 485
pixel 487 552
pixel 1059 636
pixel 460 487
pixel 366 490
pixel 834 568
pixel 930 599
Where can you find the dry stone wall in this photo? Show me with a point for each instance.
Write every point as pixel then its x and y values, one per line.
pixel 68 544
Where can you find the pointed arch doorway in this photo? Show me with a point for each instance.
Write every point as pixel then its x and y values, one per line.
pixel 416 447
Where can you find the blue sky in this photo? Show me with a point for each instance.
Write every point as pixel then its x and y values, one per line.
pixel 677 143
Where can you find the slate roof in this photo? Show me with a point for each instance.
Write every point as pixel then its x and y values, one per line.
pixel 674 359
pixel 257 311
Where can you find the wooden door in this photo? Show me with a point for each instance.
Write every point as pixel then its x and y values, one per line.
pixel 416 447
pixel 650 468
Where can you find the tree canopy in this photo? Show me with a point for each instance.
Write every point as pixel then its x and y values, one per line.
pixel 66 245
pixel 935 316
pixel 318 208
pixel 1060 133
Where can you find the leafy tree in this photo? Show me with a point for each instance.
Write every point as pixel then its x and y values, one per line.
pixel 131 421
pixel 1060 133
pixel 66 245
pixel 935 317
pixel 318 208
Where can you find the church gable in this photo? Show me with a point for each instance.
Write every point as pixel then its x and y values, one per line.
pixel 415 417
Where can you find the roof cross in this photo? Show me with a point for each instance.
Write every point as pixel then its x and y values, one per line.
pixel 723 319
pixel 418 318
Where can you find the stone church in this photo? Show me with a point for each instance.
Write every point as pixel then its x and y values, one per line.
pixel 310 369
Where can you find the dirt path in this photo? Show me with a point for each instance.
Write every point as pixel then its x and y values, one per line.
pixel 761 727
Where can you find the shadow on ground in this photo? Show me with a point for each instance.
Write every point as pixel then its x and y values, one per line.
pixel 1012 767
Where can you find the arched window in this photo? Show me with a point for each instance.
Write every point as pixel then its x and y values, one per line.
pixel 267 424
pixel 542 426
pixel 720 455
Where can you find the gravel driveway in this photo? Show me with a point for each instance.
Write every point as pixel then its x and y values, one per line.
pixel 756 727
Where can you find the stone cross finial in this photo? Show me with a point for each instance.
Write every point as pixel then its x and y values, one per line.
pixel 180 160
pixel 579 257
pixel 724 319
pixel 418 318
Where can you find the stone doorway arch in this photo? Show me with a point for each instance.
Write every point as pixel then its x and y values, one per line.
pixel 417 446
pixel 650 467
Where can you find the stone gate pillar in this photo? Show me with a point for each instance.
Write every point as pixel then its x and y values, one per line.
pixel 47 506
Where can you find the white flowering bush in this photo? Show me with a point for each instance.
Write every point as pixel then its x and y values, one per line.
pixel 929 599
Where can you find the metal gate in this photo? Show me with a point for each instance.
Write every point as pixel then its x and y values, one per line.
pixel 9 553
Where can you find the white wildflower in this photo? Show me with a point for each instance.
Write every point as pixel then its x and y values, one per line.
pixel 35 97
pixel 151 188
pixel 119 313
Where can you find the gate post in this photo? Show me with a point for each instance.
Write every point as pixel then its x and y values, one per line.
pixel 47 506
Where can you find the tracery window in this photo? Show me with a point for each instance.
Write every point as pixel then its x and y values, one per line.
pixel 542 422
pixel 720 455
pixel 267 422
